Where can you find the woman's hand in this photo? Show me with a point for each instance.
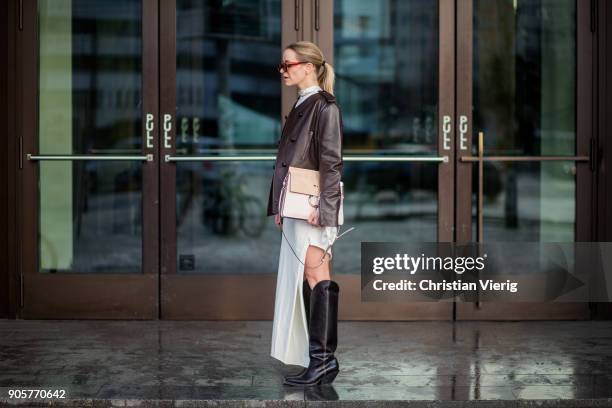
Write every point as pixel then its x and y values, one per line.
pixel 313 218
pixel 277 221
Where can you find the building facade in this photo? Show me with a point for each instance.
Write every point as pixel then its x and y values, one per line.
pixel 141 136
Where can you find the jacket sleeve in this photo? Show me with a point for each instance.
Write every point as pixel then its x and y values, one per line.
pixel 330 133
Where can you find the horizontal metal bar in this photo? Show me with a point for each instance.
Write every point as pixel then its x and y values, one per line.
pixel 57 157
pixel 183 151
pixel 472 159
pixel 169 158
pixel 435 159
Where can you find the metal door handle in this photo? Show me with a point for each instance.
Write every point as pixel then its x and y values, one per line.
pixel 84 157
pixel 481 158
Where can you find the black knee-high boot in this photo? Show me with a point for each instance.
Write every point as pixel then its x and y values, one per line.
pixel 323 336
pixel 306 291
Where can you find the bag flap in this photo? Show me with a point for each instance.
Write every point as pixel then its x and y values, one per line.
pixel 304 181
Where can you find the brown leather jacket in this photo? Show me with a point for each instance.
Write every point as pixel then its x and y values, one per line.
pixel 297 147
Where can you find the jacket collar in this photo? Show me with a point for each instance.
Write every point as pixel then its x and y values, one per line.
pixel 302 105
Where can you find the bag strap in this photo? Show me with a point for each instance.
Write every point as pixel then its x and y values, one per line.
pixel 326 249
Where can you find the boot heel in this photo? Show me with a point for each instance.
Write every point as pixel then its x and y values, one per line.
pixel 329 377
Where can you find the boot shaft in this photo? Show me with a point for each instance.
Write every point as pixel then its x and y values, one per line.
pixel 323 326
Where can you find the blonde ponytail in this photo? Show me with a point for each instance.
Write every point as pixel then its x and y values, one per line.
pixel 326 77
pixel 310 52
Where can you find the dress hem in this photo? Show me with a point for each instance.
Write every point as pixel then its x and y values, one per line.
pixel 298 297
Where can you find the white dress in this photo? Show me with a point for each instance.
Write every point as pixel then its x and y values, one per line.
pixel 289 329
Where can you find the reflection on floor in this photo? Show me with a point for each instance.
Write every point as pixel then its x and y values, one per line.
pixel 511 363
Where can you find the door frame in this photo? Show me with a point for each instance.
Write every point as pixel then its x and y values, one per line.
pixel 351 307
pixel 585 188
pixel 188 297
pixel 213 297
pixel 87 295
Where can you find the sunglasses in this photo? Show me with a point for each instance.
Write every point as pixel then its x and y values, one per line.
pixel 286 65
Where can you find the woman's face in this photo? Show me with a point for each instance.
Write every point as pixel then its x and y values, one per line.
pixel 295 73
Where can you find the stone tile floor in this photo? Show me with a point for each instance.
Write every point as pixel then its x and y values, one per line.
pixel 197 363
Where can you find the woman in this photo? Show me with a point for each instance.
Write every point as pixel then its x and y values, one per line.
pixel 304 331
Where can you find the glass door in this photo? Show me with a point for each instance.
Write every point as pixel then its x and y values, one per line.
pixel 524 133
pixel 394 63
pixel 221 117
pixel 88 102
pixel 222 106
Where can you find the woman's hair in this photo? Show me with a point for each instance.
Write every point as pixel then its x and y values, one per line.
pixel 309 52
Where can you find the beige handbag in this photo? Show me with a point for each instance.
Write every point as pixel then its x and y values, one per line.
pixel 300 194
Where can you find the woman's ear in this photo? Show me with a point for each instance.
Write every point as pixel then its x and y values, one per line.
pixel 310 66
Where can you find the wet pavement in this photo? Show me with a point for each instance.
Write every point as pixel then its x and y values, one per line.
pixel 199 363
